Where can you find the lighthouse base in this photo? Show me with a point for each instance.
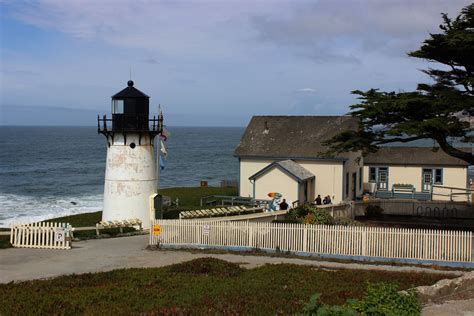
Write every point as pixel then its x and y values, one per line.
pixel 130 179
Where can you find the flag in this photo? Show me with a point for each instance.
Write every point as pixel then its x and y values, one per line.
pixel 163 149
pixel 165 134
pixel 162 163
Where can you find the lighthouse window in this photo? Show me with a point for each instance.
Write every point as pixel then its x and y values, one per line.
pixel 132 145
pixel 117 107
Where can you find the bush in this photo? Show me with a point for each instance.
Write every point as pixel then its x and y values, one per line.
pixel 319 217
pixel 380 299
pixel 385 299
pixel 373 210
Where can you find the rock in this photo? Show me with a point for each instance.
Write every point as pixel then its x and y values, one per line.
pixel 446 287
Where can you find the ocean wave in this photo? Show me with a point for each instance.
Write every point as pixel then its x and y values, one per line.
pixel 26 209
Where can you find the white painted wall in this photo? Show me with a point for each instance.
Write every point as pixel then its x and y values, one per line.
pixel 276 180
pixel 328 173
pixel 249 167
pixel 130 179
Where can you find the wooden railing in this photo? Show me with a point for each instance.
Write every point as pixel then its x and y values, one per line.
pixel 395 243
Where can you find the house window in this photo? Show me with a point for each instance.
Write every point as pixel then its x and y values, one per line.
pixel 360 178
pixel 438 176
pixel 372 174
pixel 347 184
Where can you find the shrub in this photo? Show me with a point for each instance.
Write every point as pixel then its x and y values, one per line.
pixel 380 299
pixel 373 210
pixel 302 210
pixel 322 217
pixel 385 299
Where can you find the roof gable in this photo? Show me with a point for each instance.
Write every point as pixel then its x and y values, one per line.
pixel 291 136
pixel 289 167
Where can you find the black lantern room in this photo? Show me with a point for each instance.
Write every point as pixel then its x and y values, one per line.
pixel 130 114
pixel 130 109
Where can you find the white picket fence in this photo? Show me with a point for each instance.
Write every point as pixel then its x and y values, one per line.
pixel 397 243
pixel 41 235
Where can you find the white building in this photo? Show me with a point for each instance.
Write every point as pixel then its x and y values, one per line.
pixel 285 154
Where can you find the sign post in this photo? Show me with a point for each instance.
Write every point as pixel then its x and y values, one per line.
pixel 156 229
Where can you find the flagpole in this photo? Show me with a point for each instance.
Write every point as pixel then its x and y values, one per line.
pixel 158 155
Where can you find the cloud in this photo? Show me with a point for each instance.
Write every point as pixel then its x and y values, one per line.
pixel 345 31
pixel 308 90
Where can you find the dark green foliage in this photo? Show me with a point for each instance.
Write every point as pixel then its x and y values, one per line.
pixel 319 217
pixel 385 299
pixel 380 299
pixel 373 210
pixel 315 307
pixel 438 111
pixel 308 214
pixel 186 288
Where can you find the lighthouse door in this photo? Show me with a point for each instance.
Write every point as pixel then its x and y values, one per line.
pixel 157 204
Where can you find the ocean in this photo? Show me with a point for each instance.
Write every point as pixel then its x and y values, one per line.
pixel 47 172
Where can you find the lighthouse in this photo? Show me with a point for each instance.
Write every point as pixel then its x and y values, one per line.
pixel 130 175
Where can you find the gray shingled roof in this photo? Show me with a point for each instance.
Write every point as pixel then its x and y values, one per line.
pixel 412 156
pixel 290 167
pixel 291 136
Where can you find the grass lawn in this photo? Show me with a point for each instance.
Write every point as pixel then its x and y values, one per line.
pixel 200 286
pixel 190 198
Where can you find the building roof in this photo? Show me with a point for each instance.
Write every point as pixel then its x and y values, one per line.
pixel 289 167
pixel 412 156
pixel 291 136
pixel 129 92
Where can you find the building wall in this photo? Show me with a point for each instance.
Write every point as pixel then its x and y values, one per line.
pixel 276 180
pixel 455 177
pixel 328 177
pixel 249 167
pixel 353 164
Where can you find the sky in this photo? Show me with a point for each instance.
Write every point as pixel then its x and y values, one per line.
pixel 208 63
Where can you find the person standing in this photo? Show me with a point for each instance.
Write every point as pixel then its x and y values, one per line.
pixel 283 205
pixel 318 200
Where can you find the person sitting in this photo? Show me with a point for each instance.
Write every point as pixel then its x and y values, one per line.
pixel 317 201
pixel 283 205
pixel 327 199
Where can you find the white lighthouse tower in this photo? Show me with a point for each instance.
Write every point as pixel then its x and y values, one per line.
pixel 130 176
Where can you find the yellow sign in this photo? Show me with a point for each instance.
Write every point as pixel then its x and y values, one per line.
pixel 156 229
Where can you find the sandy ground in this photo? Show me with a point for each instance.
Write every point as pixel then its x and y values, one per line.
pixel 18 264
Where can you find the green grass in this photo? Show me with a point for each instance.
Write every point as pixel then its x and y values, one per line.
pixel 201 286
pixel 190 198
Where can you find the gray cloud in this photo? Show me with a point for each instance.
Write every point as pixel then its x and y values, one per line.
pixel 344 31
